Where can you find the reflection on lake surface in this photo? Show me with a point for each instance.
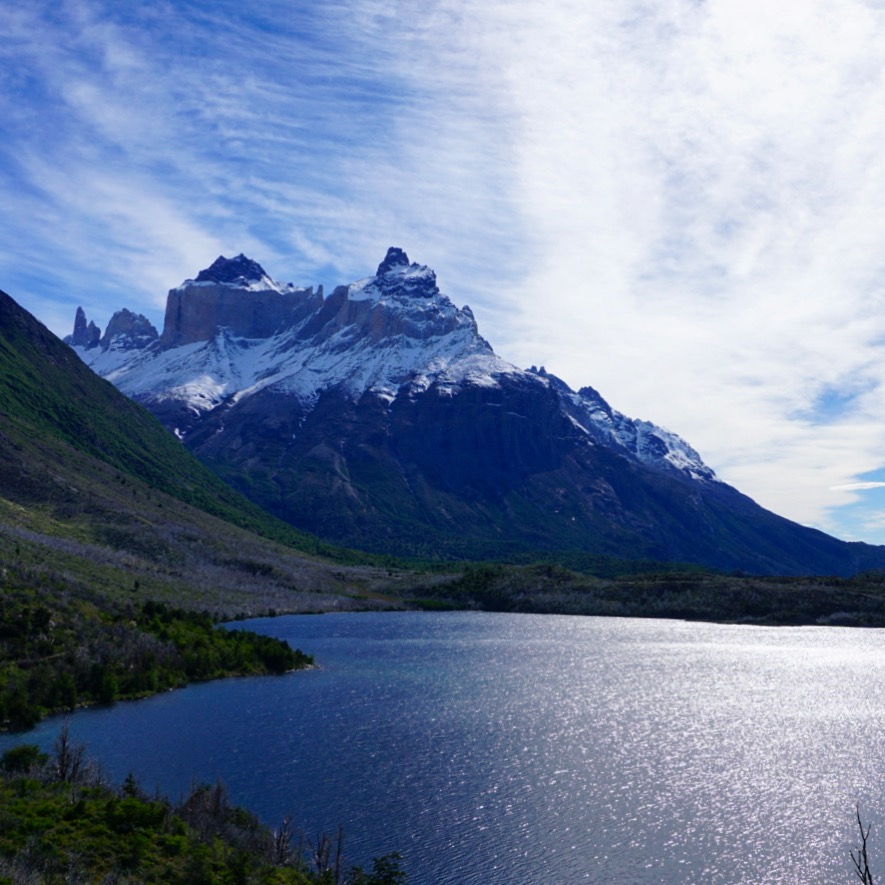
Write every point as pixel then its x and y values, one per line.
pixel 492 748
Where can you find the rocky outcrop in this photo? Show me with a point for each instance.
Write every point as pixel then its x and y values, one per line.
pixel 84 335
pixel 129 331
pixel 237 295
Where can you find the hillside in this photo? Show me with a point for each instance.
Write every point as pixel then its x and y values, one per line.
pixel 93 487
pixel 120 551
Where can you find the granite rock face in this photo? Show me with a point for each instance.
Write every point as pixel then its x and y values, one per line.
pixel 235 295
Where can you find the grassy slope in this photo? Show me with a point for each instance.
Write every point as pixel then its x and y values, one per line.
pixel 93 487
pixel 49 394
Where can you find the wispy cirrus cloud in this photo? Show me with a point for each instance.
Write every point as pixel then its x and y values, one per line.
pixel 169 132
pixel 676 202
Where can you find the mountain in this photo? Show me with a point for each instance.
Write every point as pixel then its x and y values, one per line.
pixel 98 500
pixel 378 417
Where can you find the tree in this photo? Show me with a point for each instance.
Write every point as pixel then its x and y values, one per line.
pixel 386 870
pixel 69 756
pixel 859 854
pixel 22 759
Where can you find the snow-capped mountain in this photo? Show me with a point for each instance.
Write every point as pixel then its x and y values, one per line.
pixel 377 416
pixel 233 332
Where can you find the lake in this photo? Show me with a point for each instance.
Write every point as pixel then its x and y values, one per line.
pixel 502 748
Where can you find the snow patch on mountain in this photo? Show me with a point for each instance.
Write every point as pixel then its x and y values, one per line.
pixel 645 441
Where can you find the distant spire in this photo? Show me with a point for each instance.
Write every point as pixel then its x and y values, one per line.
pixel 84 335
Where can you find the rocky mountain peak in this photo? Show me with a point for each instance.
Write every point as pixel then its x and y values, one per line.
pixel 129 331
pixel 398 278
pixel 395 258
pixel 237 271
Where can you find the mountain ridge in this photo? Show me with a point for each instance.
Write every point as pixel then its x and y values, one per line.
pixel 400 304
pixel 380 418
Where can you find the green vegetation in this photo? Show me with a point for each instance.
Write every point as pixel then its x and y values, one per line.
pixel 64 513
pixel 61 822
pixel 691 595
pixel 60 649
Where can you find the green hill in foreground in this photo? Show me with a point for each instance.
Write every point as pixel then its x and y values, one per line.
pixel 52 406
pixel 61 822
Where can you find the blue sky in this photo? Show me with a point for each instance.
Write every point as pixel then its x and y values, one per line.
pixel 677 202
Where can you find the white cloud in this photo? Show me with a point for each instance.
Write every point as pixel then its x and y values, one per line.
pixel 704 181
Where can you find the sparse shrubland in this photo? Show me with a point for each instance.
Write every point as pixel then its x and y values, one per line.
pixel 112 534
pixel 691 595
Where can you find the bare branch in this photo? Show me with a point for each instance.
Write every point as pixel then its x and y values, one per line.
pixel 859 854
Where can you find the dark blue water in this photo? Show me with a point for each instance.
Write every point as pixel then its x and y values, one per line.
pixel 539 749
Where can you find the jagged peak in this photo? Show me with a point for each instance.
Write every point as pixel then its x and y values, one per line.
pixel 127 322
pixel 232 270
pixel 594 399
pixel 85 335
pixel 126 315
pixel 395 258
pixel 398 278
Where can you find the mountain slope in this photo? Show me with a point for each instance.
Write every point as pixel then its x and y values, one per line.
pixel 96 494
pixel 378 417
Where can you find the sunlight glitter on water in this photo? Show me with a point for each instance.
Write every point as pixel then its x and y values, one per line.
pixel 528 749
